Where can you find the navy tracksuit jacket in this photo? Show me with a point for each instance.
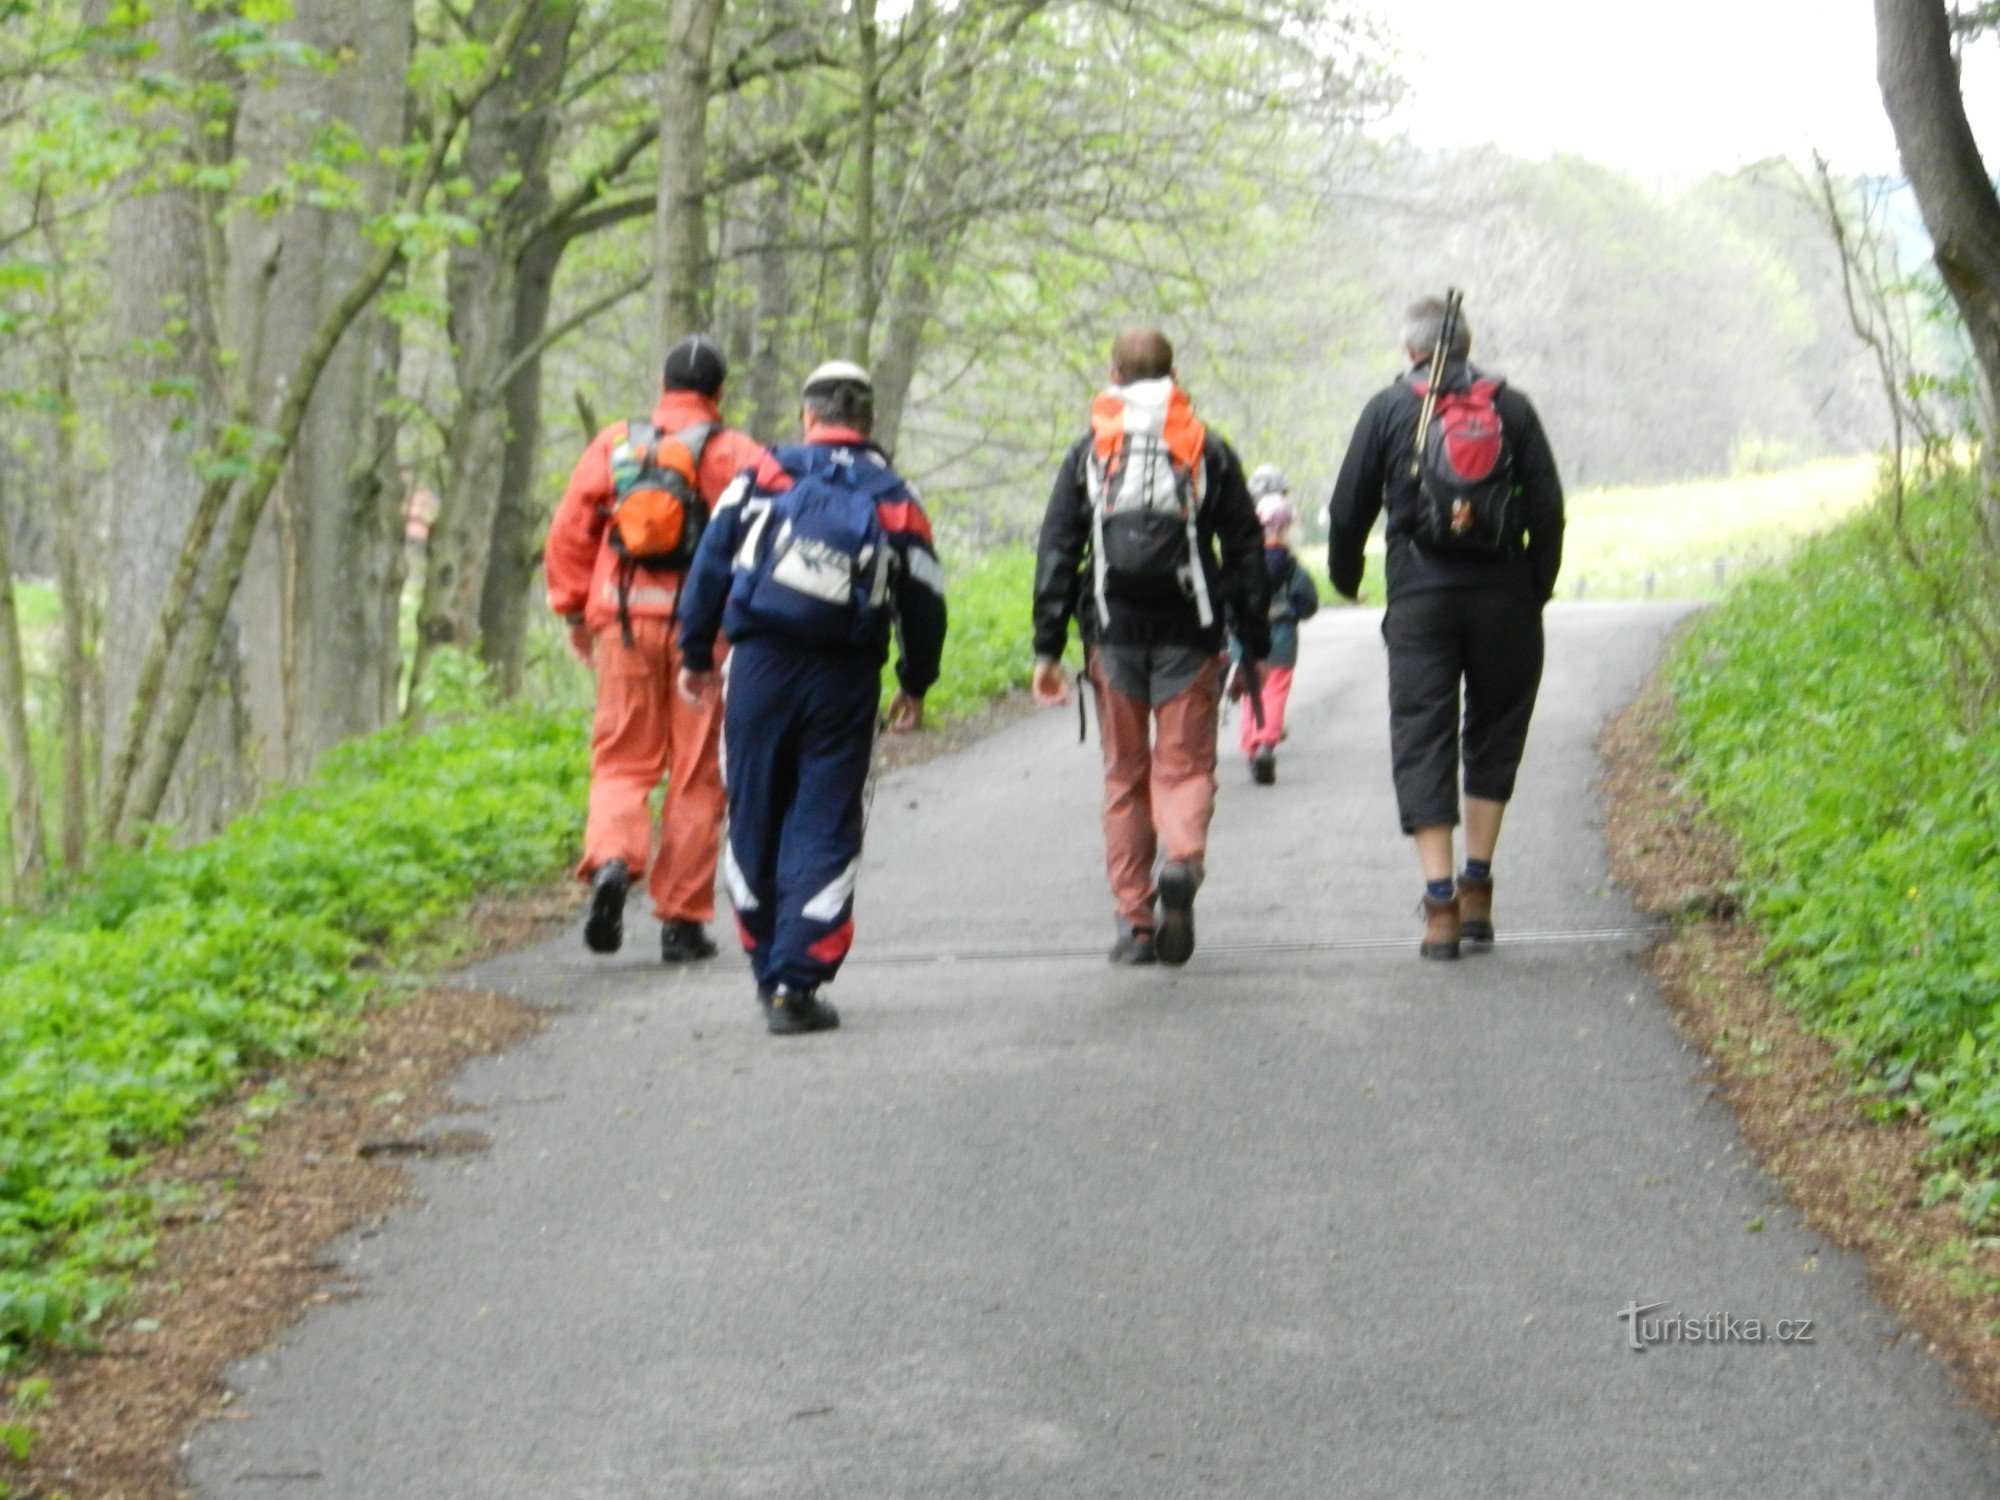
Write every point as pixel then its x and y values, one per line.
pixel 798 722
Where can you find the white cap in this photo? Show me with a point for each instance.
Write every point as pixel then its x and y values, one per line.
pixel 838 372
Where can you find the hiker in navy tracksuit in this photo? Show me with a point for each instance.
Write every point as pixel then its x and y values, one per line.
pixel 811 560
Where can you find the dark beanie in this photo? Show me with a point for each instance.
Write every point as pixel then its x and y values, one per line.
pixel 696 364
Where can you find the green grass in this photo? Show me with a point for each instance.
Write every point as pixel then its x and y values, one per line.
pixel 132 1007
pixel 1815 719
pixel 1694 540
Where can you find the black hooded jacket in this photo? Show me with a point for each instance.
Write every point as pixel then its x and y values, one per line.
pixel 1376 475
pixel 1232 560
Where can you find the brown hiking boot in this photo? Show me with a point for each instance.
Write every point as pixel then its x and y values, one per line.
pixel 1475 910
pixel 1441 929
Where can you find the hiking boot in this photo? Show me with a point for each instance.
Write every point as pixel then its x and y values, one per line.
pixel 794 1012
pixel 683 942
pixel 1174 942
pixel 604 928
pixel 1441 928
pixel 1135 949
pixel 1475 910
pixel 1264 766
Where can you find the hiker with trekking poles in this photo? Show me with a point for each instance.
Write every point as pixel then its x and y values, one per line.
pixel 1458 460
pixel 1151 543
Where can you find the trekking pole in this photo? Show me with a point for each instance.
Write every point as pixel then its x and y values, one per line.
pixel 1447 330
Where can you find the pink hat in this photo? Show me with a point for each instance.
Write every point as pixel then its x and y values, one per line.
pixel 1276 515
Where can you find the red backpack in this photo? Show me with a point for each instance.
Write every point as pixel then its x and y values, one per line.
pixel 1465 479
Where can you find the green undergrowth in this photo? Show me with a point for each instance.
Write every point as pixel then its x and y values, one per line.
pixel 989 645
pixel 1818 717
pixel 176 975
pixel 135 1004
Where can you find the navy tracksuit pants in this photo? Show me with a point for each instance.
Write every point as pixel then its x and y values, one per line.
pixel 798 732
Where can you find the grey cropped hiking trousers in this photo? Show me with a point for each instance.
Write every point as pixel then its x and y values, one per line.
pixel 1484 644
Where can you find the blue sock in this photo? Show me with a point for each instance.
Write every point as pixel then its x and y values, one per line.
pixel 1438 890
pixel 1479 869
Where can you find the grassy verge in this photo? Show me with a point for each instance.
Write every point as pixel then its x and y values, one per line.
pixel 1693 541
pixel 1814 721
pixel 178 975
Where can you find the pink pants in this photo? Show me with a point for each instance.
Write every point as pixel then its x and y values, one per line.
pixel 1159 787
pixel 1277 689
pixel 645 731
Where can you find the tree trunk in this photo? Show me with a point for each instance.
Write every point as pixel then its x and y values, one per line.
pixel 510 139
pixel 681 265
pixel 319 595
pixel 1921 91
pixel 866 292
pixel 74 590
pixel 515 559
pixel 920 278
pixel 31 853
pixel 167 398
pixel 772 404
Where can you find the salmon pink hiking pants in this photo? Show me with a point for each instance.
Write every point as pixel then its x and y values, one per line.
pixel 1157 711
pixel 645 731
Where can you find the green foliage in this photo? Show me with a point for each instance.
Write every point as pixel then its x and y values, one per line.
pixel 142 1001
pixel 990 647
pixel 1817 722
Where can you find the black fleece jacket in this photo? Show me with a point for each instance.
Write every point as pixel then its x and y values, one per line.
pixel 1376 474
pixel 1226 524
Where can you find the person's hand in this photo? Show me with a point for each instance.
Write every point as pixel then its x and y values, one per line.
pixel 1250 676
pixel 698 688
pixel 1051 684
pixel 906 714
pixel 582 642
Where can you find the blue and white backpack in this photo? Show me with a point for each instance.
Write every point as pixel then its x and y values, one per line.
pixel 815 564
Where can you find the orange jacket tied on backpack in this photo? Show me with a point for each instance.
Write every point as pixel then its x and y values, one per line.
pixel 1145 482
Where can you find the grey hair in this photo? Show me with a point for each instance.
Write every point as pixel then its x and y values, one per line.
pixel 1425 321
pixel 842 404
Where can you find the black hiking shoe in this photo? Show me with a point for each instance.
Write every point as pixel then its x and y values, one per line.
pixel 1264 767
pixel 1134 949
pixel 1174 942
pixel 604 928
pixel 683 942
pixel 791 1012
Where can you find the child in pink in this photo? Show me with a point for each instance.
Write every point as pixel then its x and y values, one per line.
pixel 1293 598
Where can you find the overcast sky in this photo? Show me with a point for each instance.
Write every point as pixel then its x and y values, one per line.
pixel 1675 89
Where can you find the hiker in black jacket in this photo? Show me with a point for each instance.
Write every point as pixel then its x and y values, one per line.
pixel 1151 543
pixel 1458 615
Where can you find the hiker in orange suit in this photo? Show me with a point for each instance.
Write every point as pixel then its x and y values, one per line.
pixel 617 554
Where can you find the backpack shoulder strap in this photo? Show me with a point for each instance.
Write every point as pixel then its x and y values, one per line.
pixel 695 439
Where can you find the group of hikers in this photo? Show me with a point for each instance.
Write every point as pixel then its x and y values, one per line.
pixel 737 605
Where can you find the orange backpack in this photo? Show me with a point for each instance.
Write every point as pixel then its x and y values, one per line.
pixel 657 513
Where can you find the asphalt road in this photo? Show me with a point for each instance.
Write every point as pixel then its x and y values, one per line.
pixel 1308 1218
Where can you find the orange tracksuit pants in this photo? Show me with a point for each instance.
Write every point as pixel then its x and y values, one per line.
pixel 1159 767
pixel 645 731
